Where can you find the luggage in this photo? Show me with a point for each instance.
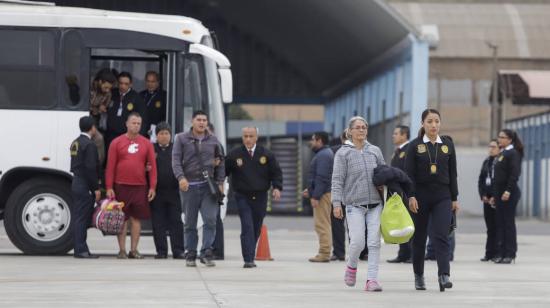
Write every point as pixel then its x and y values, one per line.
pixel 396 225
pixel 108 216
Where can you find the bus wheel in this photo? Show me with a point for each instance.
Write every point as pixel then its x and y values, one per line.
pixel 38 217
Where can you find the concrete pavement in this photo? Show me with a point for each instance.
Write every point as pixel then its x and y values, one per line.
pixel 289 281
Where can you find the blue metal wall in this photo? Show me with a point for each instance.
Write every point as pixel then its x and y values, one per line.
pixel 534 182
pixel 404 75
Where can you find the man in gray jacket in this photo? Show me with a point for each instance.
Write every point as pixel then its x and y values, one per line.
pixel 194 161
pixel 320 176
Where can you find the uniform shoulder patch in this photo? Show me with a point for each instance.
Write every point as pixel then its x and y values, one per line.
pixel 445 149
pixel 421 148
pixel 263 160
pixel 158 104
pixel 501 157
pixel 74 148
pixel 130 107
pixel 239 162
pixel 401 155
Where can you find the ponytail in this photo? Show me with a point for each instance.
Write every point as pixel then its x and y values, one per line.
pixel 518 145
pixel 421 132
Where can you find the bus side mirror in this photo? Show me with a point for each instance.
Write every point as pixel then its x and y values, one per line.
pixel 226 81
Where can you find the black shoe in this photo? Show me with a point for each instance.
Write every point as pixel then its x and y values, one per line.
pixel 395 260
pixel 337 258
pixel 444 283
pixel 497 259
pixel 419 282
pixel 408 261
pixel 160 256
pixel 364 258
pixel 507 260
pixel 485 259
pixel 190 259
pixel 85 255
pixel 249 265
pixel 206 259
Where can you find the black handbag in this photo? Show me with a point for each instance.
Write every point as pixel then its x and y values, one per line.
pixel 212 187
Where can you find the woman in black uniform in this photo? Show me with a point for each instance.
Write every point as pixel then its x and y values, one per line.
pixel 431 165
pixel 485 187
pixel 507 194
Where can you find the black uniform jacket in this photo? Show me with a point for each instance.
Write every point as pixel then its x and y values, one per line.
pixel 85 162
pixel 131 102
pixel 155 104
pixel 165 175
pixel 486 178
pixel 394 178
pixel 253 174
pixel 418 166
pixel 398 157
pixel 507 171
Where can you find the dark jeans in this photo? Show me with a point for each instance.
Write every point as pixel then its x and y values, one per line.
pixel 252 209
pixel 437 207
pixel 338 235
pixel 489 213
pixel 82 211
pixel 506 224
pixel 198 199
pixel 166 217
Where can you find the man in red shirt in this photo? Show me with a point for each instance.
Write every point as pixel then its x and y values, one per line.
pixel 125 179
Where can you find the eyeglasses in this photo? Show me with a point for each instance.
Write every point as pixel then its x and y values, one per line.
pixel 360 128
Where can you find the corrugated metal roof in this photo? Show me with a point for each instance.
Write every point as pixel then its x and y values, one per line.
pixel 519 30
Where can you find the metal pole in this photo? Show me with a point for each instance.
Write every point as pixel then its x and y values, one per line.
pixel 495 109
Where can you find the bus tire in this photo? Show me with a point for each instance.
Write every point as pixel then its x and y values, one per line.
pixel 38 217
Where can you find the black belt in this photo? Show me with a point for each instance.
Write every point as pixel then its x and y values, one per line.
pixel 370 206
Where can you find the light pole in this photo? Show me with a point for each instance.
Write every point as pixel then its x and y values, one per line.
pixel 495 108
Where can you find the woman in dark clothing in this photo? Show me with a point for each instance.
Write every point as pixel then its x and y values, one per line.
pixel 431 165
pixel 485 188
pixel 507 194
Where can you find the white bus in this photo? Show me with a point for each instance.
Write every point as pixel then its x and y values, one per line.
pixel 47 57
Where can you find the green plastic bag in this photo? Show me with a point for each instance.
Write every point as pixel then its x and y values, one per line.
pixel 396 224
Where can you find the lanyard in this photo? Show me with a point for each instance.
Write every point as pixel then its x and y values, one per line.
pixel 151 98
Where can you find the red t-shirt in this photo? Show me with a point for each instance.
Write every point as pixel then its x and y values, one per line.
pixel 127 160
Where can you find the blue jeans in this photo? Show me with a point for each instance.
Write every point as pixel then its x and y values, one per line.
pixel 199 199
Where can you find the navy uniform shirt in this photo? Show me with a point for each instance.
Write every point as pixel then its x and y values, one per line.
pixel 507 170
pixel 119 109
pixel 155 105
pixel 84 161
pixel 253 174
pixel 398 157
pixel 420 159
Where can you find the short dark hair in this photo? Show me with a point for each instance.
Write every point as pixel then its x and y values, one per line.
pixel 125 74
pixel 404 129
pixel 198 113
pixel 320 135
pixel 105 74
pixel 163 126
pixel 149 73
pixel 133 114
pixel 86 123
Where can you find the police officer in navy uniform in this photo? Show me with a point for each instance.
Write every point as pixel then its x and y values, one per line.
pixel 430 162
pixel 155 100
pixel 253 170
pixel 85 185
pixel 125 100
pixel 485 183
pixel 400 138
pixel 506 194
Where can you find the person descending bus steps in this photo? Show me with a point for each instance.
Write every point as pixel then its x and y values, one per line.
pixel 125 179
pixel 400 138
pixel 506 194
pixel 166 207
pixel 155 101
pixel 201 183
pixel 485 184
pixel 352 185
pixel 430 162
pixel 125 101
pixel 85 185
pixel 318 192
pixel 253 170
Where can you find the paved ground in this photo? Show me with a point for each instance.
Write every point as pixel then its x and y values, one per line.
pixel 289 281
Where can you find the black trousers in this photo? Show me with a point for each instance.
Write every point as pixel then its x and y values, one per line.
pixel 338 235
pixel 436 206
pixel 218 246
pixel 489 214
pixel 404 252
pixel 252 210
pixel 506 224
pixel 166 219
pixel 82 211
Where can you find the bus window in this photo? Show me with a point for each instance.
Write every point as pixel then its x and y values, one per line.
pixel 75 76
pixel 195 96
pixel 27 69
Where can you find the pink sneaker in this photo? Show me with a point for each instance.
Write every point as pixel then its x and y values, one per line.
pixel 350 276
pixel 373 286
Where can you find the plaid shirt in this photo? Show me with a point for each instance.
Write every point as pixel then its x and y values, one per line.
pixel 352 175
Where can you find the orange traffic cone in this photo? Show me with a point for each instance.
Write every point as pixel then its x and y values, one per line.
pixel 263 253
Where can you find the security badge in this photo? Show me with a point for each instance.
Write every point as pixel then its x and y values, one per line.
pixel 401 155
pixel 445 149
pixel 74 148
pixel 433 168
pixel 421 148
pixel 157 104
pixel 501 158
pixel 263 160
pixel 130 107
pixel 239 162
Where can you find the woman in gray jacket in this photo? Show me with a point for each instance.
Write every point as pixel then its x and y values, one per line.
pixel 352 186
